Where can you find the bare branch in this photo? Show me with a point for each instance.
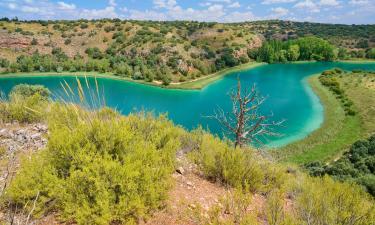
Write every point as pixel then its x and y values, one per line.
pixel 244 121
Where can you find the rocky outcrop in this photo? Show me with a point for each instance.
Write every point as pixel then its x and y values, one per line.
pixel 15 138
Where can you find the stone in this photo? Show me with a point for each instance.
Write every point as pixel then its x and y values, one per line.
pixel 36 136
pixel 180 170
pixel 4 133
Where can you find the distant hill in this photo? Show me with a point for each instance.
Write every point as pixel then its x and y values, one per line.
pixel 146 50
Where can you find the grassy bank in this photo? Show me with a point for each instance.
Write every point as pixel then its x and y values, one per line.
pixel 189 85
pixel 338 131
pixel 204 81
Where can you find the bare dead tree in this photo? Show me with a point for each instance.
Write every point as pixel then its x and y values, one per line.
pixel 245 121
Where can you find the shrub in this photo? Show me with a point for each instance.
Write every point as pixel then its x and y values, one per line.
pixel 99 167
pixel 240 168
pixel 25 90
pixel 26 104
pixel 324 201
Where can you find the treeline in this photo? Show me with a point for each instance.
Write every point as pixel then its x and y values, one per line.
pixel 59 62
pixel 328 79
pixel 357 165
pixel 306 48
pixel 147 68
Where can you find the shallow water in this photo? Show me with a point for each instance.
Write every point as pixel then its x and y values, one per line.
pixel 288 96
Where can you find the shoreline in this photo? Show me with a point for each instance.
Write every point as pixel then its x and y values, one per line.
pixel 328 141
pixel 196 84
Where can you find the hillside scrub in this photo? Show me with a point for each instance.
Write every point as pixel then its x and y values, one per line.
pixel 27 103
pixel 314 200
pixel 346 97
pixel 98 167
pixel 357 165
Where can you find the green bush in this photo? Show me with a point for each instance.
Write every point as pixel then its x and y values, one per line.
pixel 27 104
pixel 99 167
pixel 25 90
pixel 241 168
pixel 324 201
pixel 358 165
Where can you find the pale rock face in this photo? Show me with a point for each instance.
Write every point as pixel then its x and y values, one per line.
pixel 26 138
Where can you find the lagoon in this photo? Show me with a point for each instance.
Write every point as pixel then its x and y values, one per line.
pixel 288 95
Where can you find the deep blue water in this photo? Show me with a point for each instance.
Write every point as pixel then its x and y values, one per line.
pixel 288 96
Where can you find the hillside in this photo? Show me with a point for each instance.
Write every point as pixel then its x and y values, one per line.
pixel 62 164
pixel 164 52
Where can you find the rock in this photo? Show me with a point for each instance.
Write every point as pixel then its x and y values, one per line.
pixel 190 184
pixel 36 136
pixel 291 170
pixel 4 133
pixel 180 170
pixel 192 206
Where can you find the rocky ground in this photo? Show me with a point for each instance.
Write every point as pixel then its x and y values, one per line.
pixel 16 141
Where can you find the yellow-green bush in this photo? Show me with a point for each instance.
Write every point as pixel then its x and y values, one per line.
pixel 325 201
pixel 242 168
pixel 26 104
pixel 99 167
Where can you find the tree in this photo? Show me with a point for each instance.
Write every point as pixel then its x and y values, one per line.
pixel 293 53
pixel 371 53
pixel 25 90
pixel 245 121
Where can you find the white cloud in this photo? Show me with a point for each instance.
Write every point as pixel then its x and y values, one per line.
pixel 108 12
pixel 359 2
pixel 329 3
pixel 112 3
pixel 221 1
pixel 235 5
pixel 147 15
pixel 12 5
pixel 168 4
pixel 308 5
pixel 279 12
pixel 66 6
pixel 269 2
pixel 29 9
pixel 239 17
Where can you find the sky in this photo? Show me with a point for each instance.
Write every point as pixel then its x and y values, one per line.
pixel 326 11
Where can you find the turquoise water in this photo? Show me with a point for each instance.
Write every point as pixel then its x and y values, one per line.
pixel 285 85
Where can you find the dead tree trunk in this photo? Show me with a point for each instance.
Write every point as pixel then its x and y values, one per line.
pixel 245 121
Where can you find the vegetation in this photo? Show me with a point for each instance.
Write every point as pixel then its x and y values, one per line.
pixel 100 167
pixel 315 200
pixel 244 123
pixel 355 165
pixel 172 52
pixel 308 48
pixel 26 104
pixel 347 117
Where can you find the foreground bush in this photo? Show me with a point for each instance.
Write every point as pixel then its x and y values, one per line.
pixel 98 167
pixel 27 103
pixel 325 201
pixel 318 201
pixel 242 168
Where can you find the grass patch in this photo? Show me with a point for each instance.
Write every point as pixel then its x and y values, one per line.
pixel 336 134
pixel 204 81
pixel 339 129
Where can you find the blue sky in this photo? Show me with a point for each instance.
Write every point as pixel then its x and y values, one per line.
pixel 329 11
